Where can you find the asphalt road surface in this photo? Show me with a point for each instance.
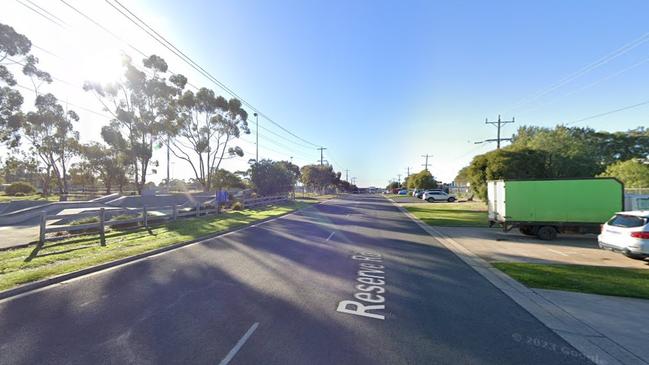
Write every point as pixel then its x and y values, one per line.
pixel 351 281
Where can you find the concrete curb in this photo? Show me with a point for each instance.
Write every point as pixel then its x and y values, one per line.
pixel 36 285
pixel 592 344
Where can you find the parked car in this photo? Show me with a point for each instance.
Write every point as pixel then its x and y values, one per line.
pixel 420 195
pixel 628 233
pixel 403 192
pixel 438 195
pixel 417 191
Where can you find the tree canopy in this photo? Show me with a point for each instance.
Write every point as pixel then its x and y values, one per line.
pixel 272 177
pixel 633 173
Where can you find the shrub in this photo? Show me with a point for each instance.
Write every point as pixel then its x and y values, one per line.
pixel 123 217
pixel 19 194
pixel 20 187
pixel 237 206
pixel 86 220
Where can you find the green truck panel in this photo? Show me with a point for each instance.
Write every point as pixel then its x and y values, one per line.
pixel 575 200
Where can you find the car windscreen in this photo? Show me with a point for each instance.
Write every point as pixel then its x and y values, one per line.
pixel 627 221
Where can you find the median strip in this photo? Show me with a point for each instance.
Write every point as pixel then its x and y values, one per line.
pixel 80 254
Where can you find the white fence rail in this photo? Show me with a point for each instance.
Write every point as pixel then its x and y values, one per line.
pixel 142 216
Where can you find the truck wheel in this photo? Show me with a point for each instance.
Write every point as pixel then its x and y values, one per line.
pixel 430 200
pixel 547 233
pixel 451 200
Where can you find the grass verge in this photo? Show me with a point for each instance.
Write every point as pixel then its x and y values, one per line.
pixel 614 281
pixel 468 214
pixel 9 198
pixel 29 264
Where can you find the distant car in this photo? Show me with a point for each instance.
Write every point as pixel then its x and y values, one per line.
pixel 417 191
pixel 420 194
pixel 402 192
pixel 438 196
pixel 628 233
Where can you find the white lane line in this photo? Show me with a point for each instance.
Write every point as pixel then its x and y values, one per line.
pixel 239 344
pixel 559 252
pixel 331 235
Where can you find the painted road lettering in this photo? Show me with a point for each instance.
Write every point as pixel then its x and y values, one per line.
pixel 371 276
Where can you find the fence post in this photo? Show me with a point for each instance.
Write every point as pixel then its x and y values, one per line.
pixel 145 214
pixel 174 213
pixel 102 227
pixel 41 237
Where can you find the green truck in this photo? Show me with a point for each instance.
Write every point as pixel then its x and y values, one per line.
pixel 544 208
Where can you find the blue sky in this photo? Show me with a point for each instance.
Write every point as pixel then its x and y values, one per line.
pixel 380 83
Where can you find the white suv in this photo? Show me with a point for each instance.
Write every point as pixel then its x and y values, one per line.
pixel 627 232
pixel 438 195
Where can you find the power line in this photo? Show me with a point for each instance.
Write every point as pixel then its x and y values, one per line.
pixel 610 112
pixel 167 44
pixel 96 23
pixel 41 14
pixel 104 28
pixel 47 12
pixel 591 66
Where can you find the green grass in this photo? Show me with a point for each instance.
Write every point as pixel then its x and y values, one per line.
pixel 578 278
pixel 8 198
pixel 469 214
pixel 28 264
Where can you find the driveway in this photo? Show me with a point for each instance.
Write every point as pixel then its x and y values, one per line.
pixel 494 245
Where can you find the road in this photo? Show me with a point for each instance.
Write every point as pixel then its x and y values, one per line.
pixel 269 294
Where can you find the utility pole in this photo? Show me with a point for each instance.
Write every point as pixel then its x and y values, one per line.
pixel 321 154
pixel 426 164
pixel 498 125
pixel 353 180
pixel 168 163
pixel 347 175
pixel 399 178
pixel 257 138
pixel 408 170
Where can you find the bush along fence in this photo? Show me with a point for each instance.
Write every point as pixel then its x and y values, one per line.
pixel 97 221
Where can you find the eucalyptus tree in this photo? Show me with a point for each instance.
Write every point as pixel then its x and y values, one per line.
pixel 14 51
pixel 206 127
pixel 142 106
pixel 50 132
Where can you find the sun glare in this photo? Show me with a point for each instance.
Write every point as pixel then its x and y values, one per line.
pixel 104 66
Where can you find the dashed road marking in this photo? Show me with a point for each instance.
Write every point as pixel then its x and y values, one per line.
pixel 331 235
pixel 239 344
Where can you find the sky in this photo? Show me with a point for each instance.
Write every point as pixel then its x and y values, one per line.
pixel 377 83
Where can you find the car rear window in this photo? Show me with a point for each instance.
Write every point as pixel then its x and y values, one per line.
pixel 628 221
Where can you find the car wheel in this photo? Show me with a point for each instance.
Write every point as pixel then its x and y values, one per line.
pixel 633 256
pixel 430 200
pixel 547 233
pixel 451 199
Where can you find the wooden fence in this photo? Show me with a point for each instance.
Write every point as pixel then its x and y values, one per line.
pixel 142 217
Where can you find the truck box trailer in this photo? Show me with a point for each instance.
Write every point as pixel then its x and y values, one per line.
pixel 544 208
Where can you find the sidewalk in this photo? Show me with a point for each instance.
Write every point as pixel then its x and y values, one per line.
pixel 622 320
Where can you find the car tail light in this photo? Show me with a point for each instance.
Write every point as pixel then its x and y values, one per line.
pixel 641 235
